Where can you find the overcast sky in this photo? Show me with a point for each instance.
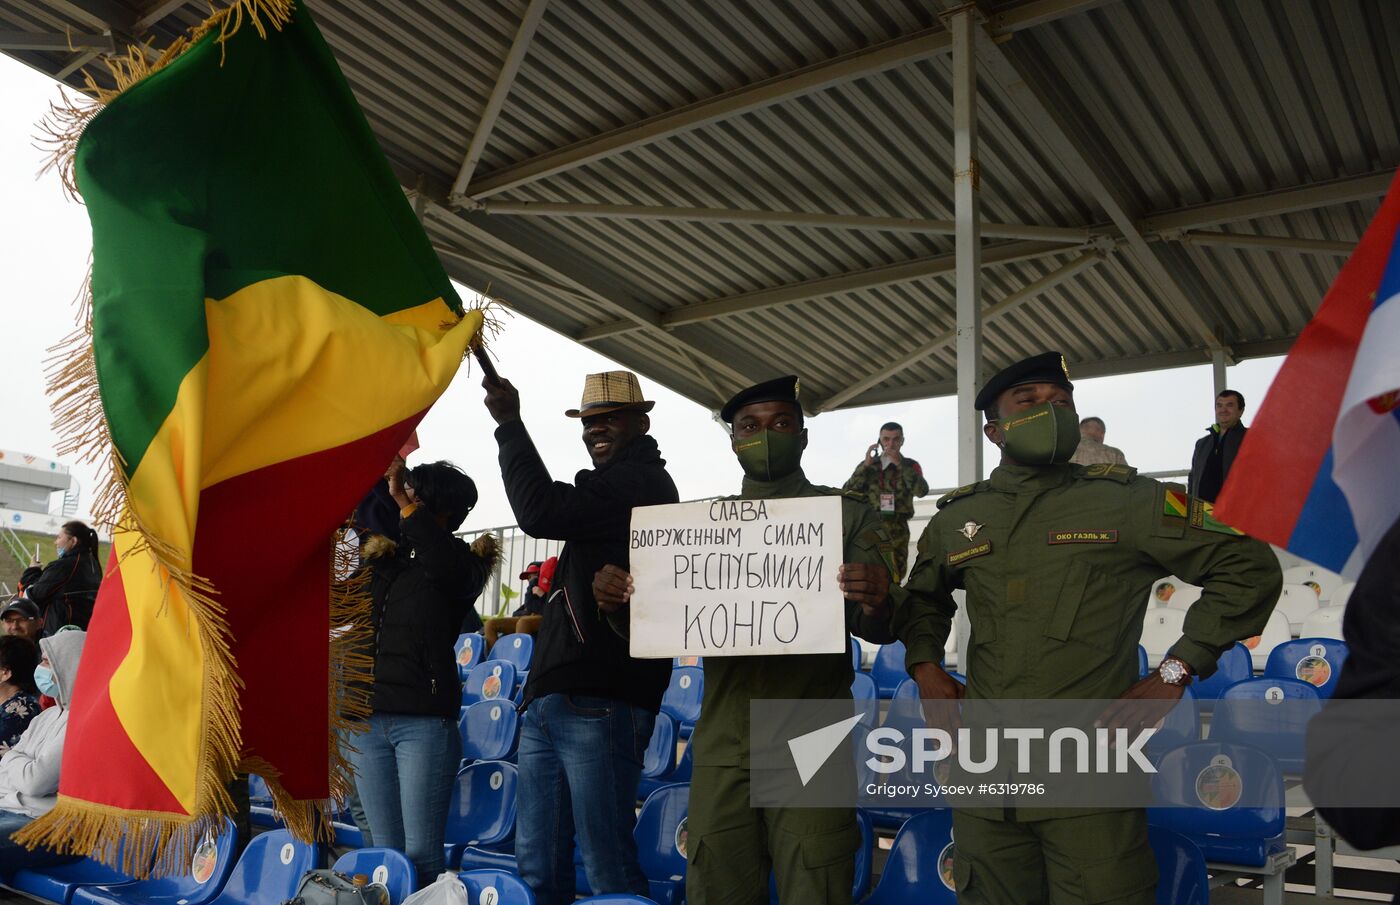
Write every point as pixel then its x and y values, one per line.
pixel 44 242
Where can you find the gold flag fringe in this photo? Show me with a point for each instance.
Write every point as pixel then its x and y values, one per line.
pixel 150 843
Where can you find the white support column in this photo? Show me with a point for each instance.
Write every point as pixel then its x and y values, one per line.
pixel 1217 368
pixel 962 23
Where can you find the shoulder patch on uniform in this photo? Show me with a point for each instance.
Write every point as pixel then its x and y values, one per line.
pixel 1173 507
pixel 962 492
pixel 1203 517
pixel 1120 473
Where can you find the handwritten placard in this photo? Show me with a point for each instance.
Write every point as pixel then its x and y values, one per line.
pixel 737 577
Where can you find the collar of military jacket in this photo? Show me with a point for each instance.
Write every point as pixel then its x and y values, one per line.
pixel 790 485
pixel 1021 478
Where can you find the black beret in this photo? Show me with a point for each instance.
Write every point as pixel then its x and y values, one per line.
pixel 779 389
pixel 1047 367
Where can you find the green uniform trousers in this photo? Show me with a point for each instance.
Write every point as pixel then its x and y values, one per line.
pixel 1097 859
pixel 733 847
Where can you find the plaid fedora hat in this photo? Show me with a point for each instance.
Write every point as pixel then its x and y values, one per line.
pixel 608 392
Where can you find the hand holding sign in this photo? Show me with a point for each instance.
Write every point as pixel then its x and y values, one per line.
pixel 612 588
pixel 868 586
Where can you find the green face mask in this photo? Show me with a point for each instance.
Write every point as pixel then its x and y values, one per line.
pixel 769 455
pixel 1044 435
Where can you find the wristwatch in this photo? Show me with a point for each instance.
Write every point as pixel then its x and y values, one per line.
pixel 1174 672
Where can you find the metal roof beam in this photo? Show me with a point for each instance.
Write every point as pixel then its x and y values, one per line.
pixel 1270 204
pixel 1072 151
pixel 900 51
pixel 807 290
pixel 514 57
pixel 158 10
pixel 1005 306
pixel 105 14
pixel 1068 235
pixel 1133 364
pixel 26 40
pixel 1325 247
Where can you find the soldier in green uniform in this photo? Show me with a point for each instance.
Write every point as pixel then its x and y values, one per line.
pixel 1057 560
pixel 733 847
pixel 889 480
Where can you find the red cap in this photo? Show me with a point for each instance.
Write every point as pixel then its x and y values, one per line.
pixel 547 573
pixel 531 571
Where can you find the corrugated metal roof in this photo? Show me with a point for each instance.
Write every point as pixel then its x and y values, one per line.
pixel 1171 105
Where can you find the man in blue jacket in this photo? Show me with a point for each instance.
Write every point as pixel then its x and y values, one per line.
pixel 589 708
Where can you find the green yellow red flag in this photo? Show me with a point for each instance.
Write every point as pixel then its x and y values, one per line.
pixel 268 324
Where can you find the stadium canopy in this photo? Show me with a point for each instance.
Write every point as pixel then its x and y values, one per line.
pixel 887 197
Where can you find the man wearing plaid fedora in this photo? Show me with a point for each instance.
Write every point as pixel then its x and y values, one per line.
pixel 589 708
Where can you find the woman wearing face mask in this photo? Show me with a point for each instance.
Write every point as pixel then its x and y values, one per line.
pixel 19 699
pixel 29 770
pixel 66 589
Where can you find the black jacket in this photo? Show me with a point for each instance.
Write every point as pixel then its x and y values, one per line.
pixel 577 650
pixel 1353 750
pixel 1233 438
pixel 422 593
pixel 64 590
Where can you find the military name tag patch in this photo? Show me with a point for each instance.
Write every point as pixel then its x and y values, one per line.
pixel 1084 537
pixel 981 549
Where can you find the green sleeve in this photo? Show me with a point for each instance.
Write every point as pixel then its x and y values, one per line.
pixel 867 542
pixel 920 482
pixel 1240 577
pixel 922 612
pixel 859 479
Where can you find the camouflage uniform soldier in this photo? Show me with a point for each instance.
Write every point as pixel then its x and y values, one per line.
pixel 732 846
pixel 889 481
pixel 1057 561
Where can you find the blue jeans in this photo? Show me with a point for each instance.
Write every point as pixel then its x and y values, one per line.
pixel 580 762
pixel 14 856
pixel 404 769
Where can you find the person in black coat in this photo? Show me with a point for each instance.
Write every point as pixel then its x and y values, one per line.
pixel 423 585
pixel 589 707
pixel 1215 452
pixel 66 589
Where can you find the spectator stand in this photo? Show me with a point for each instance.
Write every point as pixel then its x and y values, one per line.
pixel 270 869
pixel 209 869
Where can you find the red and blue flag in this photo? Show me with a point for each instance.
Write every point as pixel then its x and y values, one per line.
pixel 1319 471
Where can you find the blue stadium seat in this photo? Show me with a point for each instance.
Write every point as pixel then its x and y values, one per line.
pixel 1143 668
pixel 387 867
pixel 1317 661
pixel 888 669
pixel 867 699
pixel 1227 799
pixel 1182 726
pixel 469 649
pixel 905 714
pixel 509 889
pixel 481 814
pixel 348 835
pixel 269 870
pixel 855 654
pixel 515 649
pixel 200 884
pixel 490 731
pixel 57 883
pixel 661 842
pixel 920 866
pixel 681 774
pixel 688 661
pixel 490 680
pixel 684 696
pixel 1269 713
pixel 908 690
pixel 260 812
pixel 660 758
pixel 865 862
pixel 617 898
pixel 1235 665
pixel 1181 868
